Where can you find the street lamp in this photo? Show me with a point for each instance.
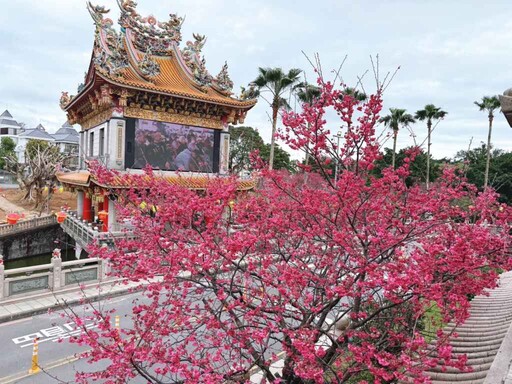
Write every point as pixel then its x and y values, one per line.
pixel 337 151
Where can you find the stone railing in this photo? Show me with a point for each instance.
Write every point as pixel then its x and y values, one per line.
pixel 25 225
pixel 51 277
pixel 85 233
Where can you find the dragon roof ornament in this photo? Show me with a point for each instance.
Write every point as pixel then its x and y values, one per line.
pixel 148 66
pixel 160 37
pixel 223 81
pixel 109 52
pixel 150 51
pixel 191 53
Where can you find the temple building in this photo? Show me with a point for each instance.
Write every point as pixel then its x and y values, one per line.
pixel 147 99
pixel 506 105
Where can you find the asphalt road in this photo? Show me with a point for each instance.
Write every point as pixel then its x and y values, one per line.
pixel 16 343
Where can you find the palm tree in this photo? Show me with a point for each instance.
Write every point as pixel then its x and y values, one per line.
pixel 275 81
pixel 307 94
pixel 357 95
pixel 398 117
pixel 488 104
pixel 429 113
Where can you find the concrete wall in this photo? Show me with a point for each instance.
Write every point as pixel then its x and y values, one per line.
pixel 32 242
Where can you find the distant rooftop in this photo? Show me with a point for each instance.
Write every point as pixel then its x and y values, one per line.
pixel 37 133
pixel 6 114
pixel 7 119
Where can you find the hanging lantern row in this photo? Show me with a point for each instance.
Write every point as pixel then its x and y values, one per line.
pixel 55 189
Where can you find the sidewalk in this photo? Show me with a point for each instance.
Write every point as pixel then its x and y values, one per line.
pixel 25 306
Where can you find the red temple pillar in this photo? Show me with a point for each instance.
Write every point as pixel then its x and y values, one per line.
pixel 105 208
pixel 87 210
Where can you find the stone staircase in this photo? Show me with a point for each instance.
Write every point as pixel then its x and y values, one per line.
pixel 480 336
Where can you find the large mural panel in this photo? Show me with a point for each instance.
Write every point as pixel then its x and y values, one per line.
pixel 172 147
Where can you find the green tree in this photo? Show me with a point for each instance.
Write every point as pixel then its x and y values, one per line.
pixel 281 157
pixel 488 104
pixel 36 146
pixel 243 141
pixel 42 161
pixel 417 167
pixel 502 180
pixel 277 83
pixel 356 94
pixel 500 169
pixel 7 146
pixel 398 117
pixel 429 113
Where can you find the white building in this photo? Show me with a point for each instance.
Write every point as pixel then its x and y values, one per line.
pixel 66 137
pixel 37 133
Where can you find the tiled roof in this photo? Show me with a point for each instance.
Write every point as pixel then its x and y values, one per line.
pixel 6 114
pixel 68 138
pixel 75 178
pixel 66 131
pixel 172 80
pixel 83 178
pixel 10 122
pixel 7 119
pixel 36 134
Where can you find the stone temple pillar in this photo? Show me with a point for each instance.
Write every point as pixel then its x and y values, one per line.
pixel 80 204
pixel 105 208
pixel 78 251
pixel 112 219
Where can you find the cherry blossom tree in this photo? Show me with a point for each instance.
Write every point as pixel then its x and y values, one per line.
pixel 336 280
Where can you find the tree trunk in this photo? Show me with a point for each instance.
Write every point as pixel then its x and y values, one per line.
pixel 395 134
pixel 275 109
pixel 306 160
pixel 429 130
pixel 488 161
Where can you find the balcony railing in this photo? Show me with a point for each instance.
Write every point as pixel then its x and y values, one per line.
pixel 51 277
pixel 25 225
pixel 85 233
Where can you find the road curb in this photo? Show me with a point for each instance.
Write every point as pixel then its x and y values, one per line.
pixel 62 304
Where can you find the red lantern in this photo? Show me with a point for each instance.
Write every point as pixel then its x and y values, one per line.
pixel 12 218
pixel 102 215
pixel 61 216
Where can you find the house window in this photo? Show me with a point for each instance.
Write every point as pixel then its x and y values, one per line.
pixel 102 141
pixel 91 144
pixel 4 131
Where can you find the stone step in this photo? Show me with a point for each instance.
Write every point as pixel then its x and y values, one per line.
pixel 475 368
pixel 471 343
pixel 479 337
pixel 457 377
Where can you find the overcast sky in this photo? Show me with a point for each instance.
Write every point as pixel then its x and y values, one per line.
pixel 451 53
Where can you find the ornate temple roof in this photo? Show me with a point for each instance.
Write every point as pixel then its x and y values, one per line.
pixel 145 55
pixel 85 179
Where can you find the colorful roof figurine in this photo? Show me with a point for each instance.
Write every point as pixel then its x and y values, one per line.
pixel 144 66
